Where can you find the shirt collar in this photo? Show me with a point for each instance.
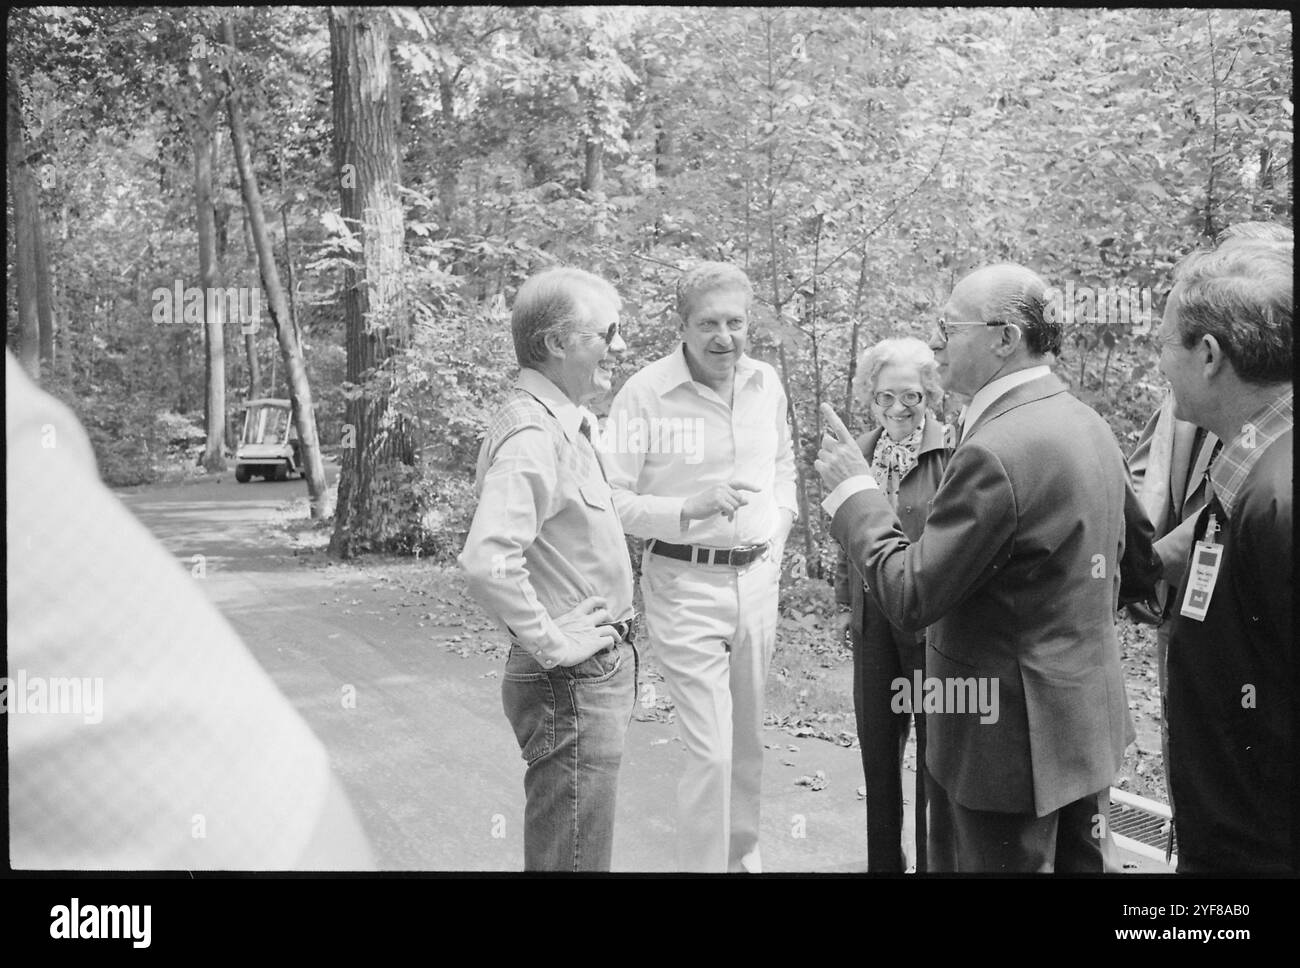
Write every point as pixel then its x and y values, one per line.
pixel 564 410
pixel 987 394
pixel 1233 465
pixel 676 372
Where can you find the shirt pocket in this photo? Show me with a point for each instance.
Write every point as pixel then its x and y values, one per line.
pixel 596 495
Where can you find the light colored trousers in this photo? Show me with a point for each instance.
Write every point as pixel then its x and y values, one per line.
pixel 712 629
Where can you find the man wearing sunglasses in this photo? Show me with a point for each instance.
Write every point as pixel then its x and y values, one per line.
pixel 546 557
pixel 1018 574
pixel 717 514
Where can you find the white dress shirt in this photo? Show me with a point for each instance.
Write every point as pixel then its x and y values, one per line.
pixel 669 437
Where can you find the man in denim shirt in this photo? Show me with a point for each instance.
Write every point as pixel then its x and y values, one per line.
pixel 546 557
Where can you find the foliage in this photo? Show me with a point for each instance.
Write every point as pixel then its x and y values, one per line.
pixel 856 161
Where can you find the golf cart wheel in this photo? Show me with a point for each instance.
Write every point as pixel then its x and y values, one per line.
pixel 281 472
pixel 241 473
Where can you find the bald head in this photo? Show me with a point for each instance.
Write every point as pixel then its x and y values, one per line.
pixel 1008 293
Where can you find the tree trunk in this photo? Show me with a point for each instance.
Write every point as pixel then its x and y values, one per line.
pixel 250 339
pixel 254 366
pixel 214 457
pixel 855 339
pixel 25 231
pixel 593 182
pixel 593 172
pixel 812 335
pixel 812 560
pixel 366 164
pixel 304 415
pixel 448 176
pixel 288 250
pixel 44 289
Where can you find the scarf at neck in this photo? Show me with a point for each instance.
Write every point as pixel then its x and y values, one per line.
pixel 894 459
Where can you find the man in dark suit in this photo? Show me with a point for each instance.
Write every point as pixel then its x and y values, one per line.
pixel 1018 575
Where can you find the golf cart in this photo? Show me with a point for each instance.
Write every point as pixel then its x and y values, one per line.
pixel 268 446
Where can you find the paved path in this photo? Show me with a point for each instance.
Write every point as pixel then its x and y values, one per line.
pixel 425 752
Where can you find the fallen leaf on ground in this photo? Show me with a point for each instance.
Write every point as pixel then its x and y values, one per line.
pixel 815 782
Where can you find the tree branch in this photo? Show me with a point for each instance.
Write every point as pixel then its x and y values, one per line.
pixel 861 240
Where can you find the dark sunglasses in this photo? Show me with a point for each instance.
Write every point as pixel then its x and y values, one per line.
pixel 608 335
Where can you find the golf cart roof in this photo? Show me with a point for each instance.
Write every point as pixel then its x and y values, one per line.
pixel 268 402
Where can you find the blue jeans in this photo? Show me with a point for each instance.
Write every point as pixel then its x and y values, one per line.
pixel 570 724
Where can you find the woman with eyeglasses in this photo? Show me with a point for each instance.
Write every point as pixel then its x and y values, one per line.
pixel 908 450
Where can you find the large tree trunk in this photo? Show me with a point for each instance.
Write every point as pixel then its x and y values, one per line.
pixel 304 415
pixel 366 164
pixel 214 457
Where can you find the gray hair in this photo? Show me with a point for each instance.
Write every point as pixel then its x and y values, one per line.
pixel 708 276
pixel 900 351
pixel 1241 294
pixel 552 303
pixel 1268 231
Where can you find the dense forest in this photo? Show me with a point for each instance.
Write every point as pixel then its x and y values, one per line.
pixel 380 180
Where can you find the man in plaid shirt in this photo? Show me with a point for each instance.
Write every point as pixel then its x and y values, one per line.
pixel 1226 349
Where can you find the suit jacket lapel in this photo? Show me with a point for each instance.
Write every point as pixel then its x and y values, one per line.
pixel 1162 457
pixel 1044 386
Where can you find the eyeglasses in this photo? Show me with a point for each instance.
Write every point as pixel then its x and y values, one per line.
pixel 884 399
pixel 945 324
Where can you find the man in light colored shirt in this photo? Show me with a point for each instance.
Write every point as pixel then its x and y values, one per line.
pixel 1017 573
pixel 700 458
pixel 546 557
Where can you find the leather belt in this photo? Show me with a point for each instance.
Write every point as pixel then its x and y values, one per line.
pixel 623 629
pixel 696 554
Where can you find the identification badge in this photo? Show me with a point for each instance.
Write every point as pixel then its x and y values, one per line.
pixel 1202 574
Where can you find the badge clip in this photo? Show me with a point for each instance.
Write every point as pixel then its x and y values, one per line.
pixel 1202 573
